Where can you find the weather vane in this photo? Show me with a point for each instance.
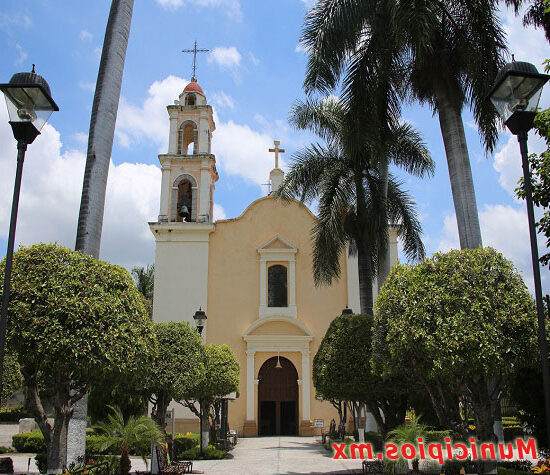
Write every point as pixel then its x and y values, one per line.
pixel 195 50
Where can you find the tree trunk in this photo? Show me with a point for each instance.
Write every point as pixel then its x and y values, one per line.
pixel 125 463
pixel 57 448
pixel 100 145
pixel 160 408
pixel 204 426
pixel 384 262
pixel 365 281
pixel 460 172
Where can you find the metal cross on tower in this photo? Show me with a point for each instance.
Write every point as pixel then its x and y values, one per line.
pixel 195 50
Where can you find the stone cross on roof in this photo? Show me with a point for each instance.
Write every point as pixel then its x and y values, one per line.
pixel 277 150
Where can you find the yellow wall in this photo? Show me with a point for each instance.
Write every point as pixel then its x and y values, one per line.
pixel 234 290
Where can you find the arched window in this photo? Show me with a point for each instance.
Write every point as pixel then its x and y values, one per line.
pixel 277 286
pixel 186 136
pixel 190 100
pixel 185 201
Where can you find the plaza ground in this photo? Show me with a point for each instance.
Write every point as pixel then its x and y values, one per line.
pixel 255 455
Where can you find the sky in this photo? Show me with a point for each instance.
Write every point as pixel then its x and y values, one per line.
pixel 252 75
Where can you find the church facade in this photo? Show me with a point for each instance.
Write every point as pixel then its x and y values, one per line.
pixel 252 275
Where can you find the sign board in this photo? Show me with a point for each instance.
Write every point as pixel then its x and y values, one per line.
pixel 318 423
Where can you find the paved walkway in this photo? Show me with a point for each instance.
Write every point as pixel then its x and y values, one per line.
pixel 278 455
pixel 255 455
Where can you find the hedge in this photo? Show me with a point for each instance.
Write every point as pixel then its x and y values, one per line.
pixel 210 453
pixel 183 443
pixel 33 442
pixel 13 415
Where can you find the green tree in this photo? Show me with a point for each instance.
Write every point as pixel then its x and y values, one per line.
pixel 537 14
pixel 344 177
pixel 12 379
pixel 127 434
pixel 444 53
pixel 221 378
pixel 342 370
pixel 456 321
pixel 72 320
pixel 145 282
pixel 177 368
pixel 120 390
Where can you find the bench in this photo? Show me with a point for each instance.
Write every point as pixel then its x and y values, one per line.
pixel 176 467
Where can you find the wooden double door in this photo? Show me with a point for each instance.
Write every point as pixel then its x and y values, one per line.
pixel 278 398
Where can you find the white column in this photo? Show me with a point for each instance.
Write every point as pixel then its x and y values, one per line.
pixel 250 385
pixel 292 283
pixel 204 199
pixel 263 285
pixel 173 138
pixel 165 189
pixel 353 282
pixel 306 386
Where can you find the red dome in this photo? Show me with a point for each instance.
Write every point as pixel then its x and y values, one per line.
pixel 193 86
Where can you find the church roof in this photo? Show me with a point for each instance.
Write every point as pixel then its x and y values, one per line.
pixel 193 86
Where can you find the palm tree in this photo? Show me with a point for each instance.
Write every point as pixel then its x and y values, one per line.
pixel 145 282
pixel 409 433
pixel 100 144
pixel 343 176
pixel 537 14
pixel 445 53
pixel 135 433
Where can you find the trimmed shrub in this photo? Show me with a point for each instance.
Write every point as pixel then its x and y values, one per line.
pixel 29 442
pixel 41 460
pixel 210 453
pixel 517 465
pixel 6 465
pixel 6 450
pixel 509 471
pixel 375 439
pixel 512 433
pixel 13 415
pixel 185 442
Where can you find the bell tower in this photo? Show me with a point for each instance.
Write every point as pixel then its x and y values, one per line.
pixel 189 168
pixel 185 222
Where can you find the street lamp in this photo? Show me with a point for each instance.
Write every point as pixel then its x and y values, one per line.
pixel 200 319
pixel 30 105
pixel 515 95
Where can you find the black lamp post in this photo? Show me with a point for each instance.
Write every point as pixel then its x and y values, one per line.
pixel 200 320
pixel 515 95
pixel 29 107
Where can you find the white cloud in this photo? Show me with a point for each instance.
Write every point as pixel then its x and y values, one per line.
pixel 149 121
pixel 85 35
pixel 21 54
pixel 508 160
pixel 221 99
pixel 87 86
pixel 51 191
pixel 255 61
pixel 309 3
pixel 219 212
pixel 225 57
pixel 504 228
pixel 240 150
pixel 81 137
pixel 17 20
pixel 300 48
pixel 232 8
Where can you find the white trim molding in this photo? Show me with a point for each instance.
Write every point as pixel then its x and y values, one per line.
pixel 286 252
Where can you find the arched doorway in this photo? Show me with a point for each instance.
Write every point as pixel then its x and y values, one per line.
pixel 278 398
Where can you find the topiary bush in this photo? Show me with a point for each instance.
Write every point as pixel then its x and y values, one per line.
pixel 41 460
pixel 185 442
pixel 512 433
pixel 29 442
pixel 211 453
pixel 6 465
pixel 13 415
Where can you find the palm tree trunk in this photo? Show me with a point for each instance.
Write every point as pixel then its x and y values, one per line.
pixel 100 144
pixel 366 298
pixel 384 262
pixel 460 172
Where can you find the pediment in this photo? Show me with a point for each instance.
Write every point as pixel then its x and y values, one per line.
pixel 280 326
pixel 278 244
